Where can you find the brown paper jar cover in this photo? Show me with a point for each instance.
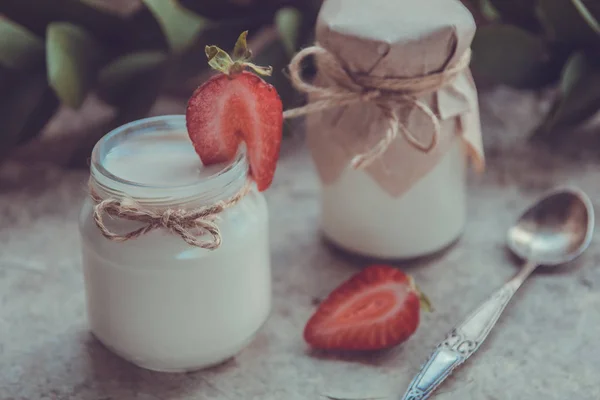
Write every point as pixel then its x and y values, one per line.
pixel 395 38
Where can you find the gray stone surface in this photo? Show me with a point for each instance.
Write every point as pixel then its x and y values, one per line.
pixel 544 347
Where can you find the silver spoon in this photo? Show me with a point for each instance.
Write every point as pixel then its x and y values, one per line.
pixel 554 231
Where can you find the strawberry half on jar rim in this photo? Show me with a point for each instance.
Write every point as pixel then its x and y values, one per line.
pixel 237 106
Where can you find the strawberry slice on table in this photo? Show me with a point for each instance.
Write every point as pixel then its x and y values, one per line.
pixel 237 106
pixel 375 309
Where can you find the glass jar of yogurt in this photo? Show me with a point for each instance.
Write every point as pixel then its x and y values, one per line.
pixel 155 300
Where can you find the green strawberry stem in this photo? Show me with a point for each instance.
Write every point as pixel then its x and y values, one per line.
pixel 219 60
pixel 424 301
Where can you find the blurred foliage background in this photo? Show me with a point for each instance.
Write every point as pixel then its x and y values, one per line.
pixel 536 44
pixel 126 52
pixel 56 54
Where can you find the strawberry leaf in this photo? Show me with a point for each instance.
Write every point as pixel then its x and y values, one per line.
pixel 191 65
pixel 241 50
pixel 264 71
pixel 425 302
pixel 218 59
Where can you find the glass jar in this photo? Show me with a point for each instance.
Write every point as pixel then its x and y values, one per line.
pixel 360 217
pixel 155 300
pixel 394 97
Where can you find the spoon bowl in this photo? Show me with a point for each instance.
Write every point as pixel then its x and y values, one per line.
pixel 555 230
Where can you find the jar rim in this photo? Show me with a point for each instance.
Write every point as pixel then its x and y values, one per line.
pixel 232 172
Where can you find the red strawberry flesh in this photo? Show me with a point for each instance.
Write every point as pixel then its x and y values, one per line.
pixel 375 309
pixel 226 110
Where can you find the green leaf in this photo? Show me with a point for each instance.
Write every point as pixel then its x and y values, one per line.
pixel 241 50
pixel 567 21
pixel 180 26
pixel 263 71
pixel 72 62
pixel 222 35
pixel 488 10
pixel 289 22
pixel 23 113
pixel 218 59
pixel 593 7
pixel 579 97
pixel 19 48
pixel 510 55
pixel 121 76
pixel 36 15
pixel 587 15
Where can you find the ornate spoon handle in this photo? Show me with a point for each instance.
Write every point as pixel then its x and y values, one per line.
pixel 465 339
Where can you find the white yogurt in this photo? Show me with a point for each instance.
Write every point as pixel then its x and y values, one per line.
pixel 357 215
pixel 155 300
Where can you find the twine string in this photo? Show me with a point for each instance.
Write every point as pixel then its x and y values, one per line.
pixel 190 225
pixel 387 93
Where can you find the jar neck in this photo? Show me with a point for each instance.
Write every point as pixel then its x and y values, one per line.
pixel 204 189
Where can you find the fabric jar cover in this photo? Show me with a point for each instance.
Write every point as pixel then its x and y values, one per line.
pixel 395 38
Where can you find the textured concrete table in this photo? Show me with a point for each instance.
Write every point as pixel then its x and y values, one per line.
pixel 544 347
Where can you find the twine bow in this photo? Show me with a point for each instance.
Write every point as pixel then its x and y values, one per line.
pixel 386 93
pixel 189 224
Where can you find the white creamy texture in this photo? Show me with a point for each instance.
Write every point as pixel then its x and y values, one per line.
pixel 158 158
pixel 159 302
pixel 359 216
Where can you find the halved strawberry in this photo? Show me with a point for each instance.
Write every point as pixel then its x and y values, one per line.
pixel 375 309
pixel 237 106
